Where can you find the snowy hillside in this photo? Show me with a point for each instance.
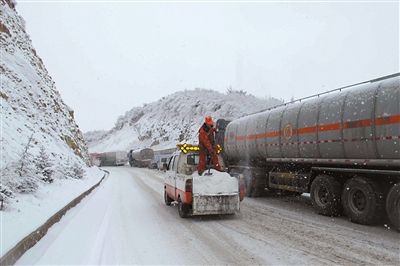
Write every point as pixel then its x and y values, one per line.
pixel 40 141
pixel 172 119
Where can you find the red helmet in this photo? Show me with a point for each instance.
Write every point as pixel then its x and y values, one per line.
pixel 209 121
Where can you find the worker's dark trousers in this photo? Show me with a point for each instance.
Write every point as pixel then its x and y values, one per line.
pixel 203 159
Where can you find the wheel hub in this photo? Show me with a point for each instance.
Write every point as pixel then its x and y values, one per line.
pixel 358 201
pixel 323 195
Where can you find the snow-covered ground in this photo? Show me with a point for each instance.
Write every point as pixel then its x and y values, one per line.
pixel 27 212
pixel 125 221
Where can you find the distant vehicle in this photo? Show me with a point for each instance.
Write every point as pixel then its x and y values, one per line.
pixel 162 163
pixel 116 158
pixel 140 158
pixel 95 158
pixel 161 157
pixel 212 193
pixel 343 147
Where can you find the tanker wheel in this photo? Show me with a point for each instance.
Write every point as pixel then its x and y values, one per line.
pixel 167 199
pixel 393 205
pixel 362 200
pixel 183 209
pixel 325 195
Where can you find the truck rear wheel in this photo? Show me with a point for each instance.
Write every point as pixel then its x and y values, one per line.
pixel 167 199
pixel 393 205
pixel 183 209
pixel 362 200
pixel 325 195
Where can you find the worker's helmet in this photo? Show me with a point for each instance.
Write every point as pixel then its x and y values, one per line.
pixel 209 121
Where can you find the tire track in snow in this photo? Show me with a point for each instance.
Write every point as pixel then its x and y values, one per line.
pixel 219 244
pixel 289 230
pixel 321 240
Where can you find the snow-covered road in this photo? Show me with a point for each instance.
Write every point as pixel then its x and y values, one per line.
pixel 125 221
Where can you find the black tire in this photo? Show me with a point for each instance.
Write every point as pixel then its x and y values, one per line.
pixel 183 209
pixel 362 200
pixel 393 206
pixel 167 199
pixel 325 195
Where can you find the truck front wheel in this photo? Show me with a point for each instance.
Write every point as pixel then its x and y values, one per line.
pixel 325 195
pixel 167 199
pixel 393 205
pixel 183 209
pixel 362 200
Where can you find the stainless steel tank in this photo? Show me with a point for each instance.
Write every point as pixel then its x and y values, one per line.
pixel 359 125
pixel 143 154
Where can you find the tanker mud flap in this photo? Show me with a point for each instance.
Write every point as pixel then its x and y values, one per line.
pixel 216 204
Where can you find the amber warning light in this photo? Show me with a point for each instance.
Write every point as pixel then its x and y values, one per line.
pixel 185 148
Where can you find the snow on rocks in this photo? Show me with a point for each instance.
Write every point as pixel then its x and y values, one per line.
pixel 29 211
pixel 215 183
pixel 37 127
pixel 173 119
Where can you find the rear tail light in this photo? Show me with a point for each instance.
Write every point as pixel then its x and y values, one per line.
pixel 188 185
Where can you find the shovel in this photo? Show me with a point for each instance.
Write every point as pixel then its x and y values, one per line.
pixel 209 166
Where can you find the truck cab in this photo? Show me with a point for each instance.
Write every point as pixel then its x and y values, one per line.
pixel 212 193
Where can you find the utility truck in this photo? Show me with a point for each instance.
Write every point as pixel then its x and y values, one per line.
pixel 213 192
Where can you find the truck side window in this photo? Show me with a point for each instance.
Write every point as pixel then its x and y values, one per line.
pixel 169 167
pixel 175 164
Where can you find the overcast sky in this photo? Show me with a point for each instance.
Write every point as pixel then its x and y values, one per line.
pixel 107 57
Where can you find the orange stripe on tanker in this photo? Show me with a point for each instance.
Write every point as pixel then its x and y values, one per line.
pixel 379 121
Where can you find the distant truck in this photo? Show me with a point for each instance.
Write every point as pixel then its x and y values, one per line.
pixel 212 193
pixel 161 158
pixel 140 158
pixel 116 158
pixel 95 158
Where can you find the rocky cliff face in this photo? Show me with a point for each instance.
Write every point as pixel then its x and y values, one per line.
pixel 36 125
pixel 173 119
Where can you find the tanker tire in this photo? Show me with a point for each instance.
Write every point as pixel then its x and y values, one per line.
pixel 325 195
pixel 167 199
pixel 183 209
pixel 393 206
pixel 362 200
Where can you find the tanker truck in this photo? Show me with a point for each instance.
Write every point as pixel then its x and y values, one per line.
pixel 341 146
pixel 140 158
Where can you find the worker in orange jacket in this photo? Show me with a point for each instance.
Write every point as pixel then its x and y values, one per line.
pixel 206 144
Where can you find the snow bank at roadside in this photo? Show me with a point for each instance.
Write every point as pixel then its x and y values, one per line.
pixel 216 183
pixel 29 211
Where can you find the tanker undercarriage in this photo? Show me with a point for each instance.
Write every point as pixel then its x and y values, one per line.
pixel 356 193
